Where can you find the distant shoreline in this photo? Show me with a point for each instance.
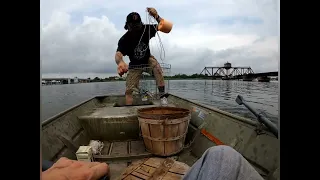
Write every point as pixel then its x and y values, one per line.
pixel 180 79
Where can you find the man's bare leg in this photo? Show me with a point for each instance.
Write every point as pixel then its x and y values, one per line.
pixel 158 74
pixel 132 81
pixel 157 71
pixel 129 99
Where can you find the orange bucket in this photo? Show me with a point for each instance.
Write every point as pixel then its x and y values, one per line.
pixel 165 26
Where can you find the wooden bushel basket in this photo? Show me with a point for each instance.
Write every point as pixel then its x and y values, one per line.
pixel 164 129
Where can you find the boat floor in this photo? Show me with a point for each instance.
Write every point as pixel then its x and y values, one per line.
pixel 120 154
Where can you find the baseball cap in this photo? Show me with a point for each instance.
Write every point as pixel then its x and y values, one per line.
pixel 133 17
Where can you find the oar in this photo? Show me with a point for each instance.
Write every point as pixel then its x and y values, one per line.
pixel 270 125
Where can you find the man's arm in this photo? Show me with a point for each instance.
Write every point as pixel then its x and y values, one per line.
pixel 154 27
pixel 153 12
pixel 120 51
pixel 158 19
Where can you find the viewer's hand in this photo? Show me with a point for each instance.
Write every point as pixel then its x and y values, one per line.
pixel 122 68
pixel 153 12
pixel 66 169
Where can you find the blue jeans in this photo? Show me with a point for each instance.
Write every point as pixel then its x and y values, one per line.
pixel 222 163
pixel 46 165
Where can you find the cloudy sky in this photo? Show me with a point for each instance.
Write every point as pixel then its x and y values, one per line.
pixel 79 37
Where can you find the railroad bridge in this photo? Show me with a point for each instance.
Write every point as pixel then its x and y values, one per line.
pixel 228 72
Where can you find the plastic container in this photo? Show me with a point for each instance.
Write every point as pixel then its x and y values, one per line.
pixel 84 153
pixel 165 26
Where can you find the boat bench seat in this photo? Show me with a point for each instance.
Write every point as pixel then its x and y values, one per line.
pixel 112 123
pixel 114 112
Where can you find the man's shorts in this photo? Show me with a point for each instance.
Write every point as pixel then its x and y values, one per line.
pixel 134 75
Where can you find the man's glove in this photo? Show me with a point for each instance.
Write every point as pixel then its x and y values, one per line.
pixel 153 12
pixel 122 68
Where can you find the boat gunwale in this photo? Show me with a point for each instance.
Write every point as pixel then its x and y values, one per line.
pixel 242 119
pixel 54 117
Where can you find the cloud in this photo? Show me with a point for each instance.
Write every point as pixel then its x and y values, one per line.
pixel 80 37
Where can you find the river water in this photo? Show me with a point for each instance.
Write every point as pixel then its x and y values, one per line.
pixel 262 96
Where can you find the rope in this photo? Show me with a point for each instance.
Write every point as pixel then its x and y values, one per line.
pixel 151 22
pixel 161 48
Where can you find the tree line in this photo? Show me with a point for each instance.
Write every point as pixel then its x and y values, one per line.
pixel 177 76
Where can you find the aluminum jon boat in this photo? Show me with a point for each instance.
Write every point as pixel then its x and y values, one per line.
pixel 108 120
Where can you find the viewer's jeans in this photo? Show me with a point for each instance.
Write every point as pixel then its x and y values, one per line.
pixel 222 162
pixel 46 165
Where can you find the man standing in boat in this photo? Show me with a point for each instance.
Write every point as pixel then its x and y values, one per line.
pixel 135 44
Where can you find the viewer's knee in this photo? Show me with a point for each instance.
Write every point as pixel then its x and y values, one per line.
pixel 221 148
pixel 216 153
